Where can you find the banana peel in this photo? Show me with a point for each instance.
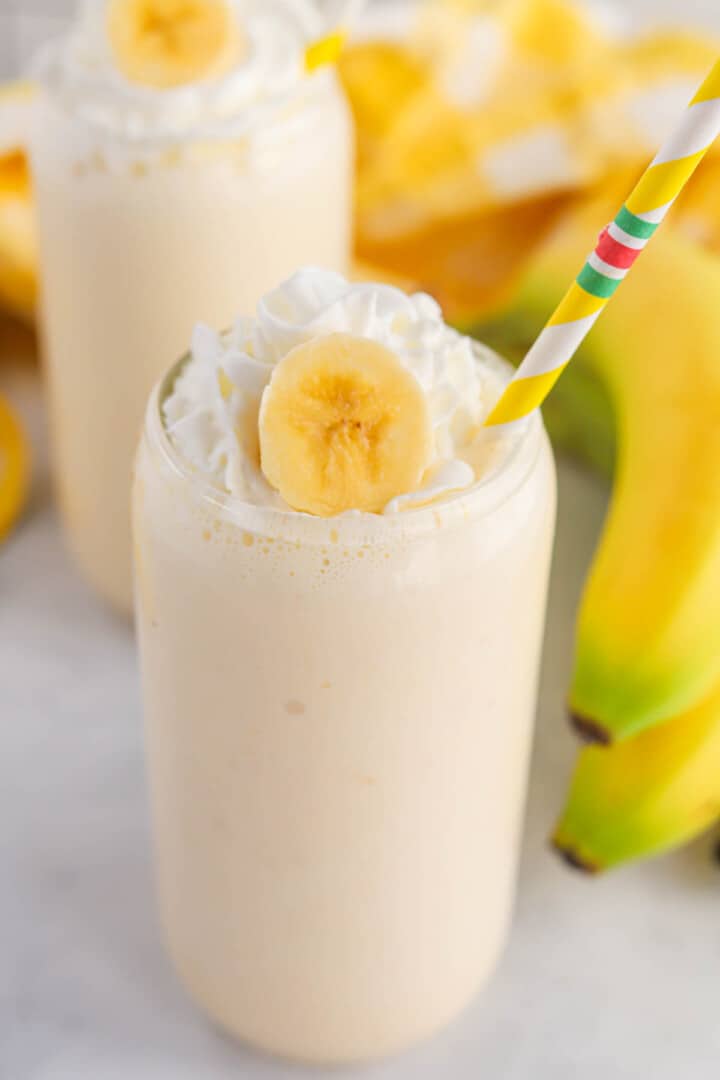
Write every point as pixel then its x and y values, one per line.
pixel 14 468
pixel 649 619
pixel 641 402
pixel 644 796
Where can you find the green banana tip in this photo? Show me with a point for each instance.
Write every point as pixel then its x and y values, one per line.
pixel 572 857
pixel 590 731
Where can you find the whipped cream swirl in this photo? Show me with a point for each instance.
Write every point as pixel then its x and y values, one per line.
pixel 211 413
pixel 81 70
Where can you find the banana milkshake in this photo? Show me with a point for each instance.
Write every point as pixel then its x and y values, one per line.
pixel 341 581
pixel 184 161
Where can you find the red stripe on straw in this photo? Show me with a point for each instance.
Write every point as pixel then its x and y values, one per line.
pixel 614 253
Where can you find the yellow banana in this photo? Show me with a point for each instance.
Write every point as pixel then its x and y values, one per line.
pixel 646 795
pixel 14 468
pixel 649 621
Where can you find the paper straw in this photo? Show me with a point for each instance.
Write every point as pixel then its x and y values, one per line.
pixel 327 49
pixel 618 248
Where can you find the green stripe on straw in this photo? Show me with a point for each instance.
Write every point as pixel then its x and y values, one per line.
pixel 634 226
pixel 595 283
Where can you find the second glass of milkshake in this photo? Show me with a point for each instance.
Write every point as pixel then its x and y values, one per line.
pixel 183 162
pixel 341 582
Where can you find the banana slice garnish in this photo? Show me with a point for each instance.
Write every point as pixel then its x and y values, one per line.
pixel 170 43
pixel 343 426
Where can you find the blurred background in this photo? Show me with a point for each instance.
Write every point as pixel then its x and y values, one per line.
pixel 26 23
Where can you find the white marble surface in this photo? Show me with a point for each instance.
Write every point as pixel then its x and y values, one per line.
pixel 609 979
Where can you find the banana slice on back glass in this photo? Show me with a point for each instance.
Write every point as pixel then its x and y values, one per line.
pixel 170 43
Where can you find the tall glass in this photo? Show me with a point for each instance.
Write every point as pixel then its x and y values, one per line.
pixel 339 716
pixel 140 238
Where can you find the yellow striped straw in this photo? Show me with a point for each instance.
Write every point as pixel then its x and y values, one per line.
pixel 619 246
pixel 327 49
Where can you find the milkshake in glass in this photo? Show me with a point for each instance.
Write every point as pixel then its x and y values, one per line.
pixel 339 705
pixel 160 203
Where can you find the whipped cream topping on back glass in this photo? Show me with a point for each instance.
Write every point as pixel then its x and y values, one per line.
pixel 82 71
pixel 212 411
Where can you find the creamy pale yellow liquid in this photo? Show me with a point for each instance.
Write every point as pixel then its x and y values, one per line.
pixel 138 243
pixel 339 718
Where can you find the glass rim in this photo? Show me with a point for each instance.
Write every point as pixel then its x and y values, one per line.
pixel 516 464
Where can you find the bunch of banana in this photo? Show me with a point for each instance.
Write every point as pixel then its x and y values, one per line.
pixel 647 672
